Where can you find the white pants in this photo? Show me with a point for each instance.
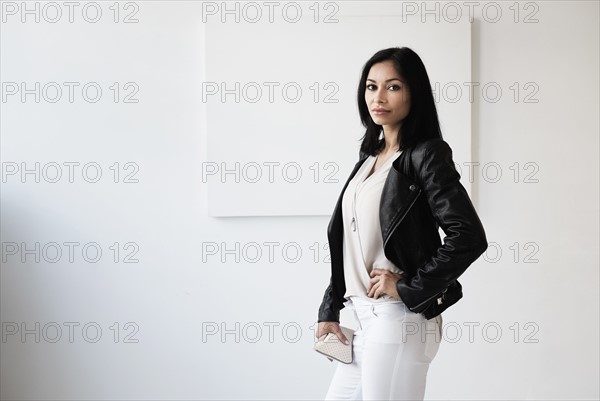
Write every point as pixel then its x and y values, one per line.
pixel 392 350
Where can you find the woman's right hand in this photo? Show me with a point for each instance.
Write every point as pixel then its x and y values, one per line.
pixel 331 327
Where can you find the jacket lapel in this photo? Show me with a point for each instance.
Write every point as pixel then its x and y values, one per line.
pixel 336 218
pixel 398 195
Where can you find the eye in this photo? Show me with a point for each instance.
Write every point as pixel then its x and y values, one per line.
pixel 370 86
pixel 395 87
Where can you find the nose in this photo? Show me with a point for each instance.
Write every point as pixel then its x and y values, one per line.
pixel 379 96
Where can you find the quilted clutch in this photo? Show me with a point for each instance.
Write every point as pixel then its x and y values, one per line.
pixel 330 346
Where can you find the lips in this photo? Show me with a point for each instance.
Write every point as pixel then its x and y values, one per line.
pixel 379 110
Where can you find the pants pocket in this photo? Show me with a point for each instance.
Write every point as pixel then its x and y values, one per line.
pixel 394 311
pixel 387 323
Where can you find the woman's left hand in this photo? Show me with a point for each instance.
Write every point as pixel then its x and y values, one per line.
pixel 383 282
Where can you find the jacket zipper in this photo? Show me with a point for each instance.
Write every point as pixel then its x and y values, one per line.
pixel 440 300
pixel 399 220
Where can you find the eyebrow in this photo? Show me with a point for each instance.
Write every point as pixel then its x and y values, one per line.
pixel 387 80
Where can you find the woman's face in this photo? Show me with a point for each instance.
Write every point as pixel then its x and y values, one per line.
pixel 386 91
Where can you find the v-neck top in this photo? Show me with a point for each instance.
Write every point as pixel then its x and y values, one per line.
pixel 363 242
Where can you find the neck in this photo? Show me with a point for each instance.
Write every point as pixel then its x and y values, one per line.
pixel 391 139
pixel 390 146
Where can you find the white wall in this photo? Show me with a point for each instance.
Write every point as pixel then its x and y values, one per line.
pixel 539 279
pixel 297 99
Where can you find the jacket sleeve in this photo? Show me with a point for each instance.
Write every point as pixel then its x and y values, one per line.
pixel 328 311
pixel 452 208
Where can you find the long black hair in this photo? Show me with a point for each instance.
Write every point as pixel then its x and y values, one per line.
pixel 422 121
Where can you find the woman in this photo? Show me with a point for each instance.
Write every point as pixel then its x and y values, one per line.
pixel 387 261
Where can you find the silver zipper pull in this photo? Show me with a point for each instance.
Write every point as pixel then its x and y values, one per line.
pixel 353 224
pixel 440 300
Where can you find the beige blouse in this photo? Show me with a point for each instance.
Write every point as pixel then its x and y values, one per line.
pixel 363 243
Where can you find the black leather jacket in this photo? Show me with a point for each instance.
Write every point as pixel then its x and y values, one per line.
pixel 422 192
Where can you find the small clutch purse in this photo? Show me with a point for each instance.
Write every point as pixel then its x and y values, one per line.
pixel 330 346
